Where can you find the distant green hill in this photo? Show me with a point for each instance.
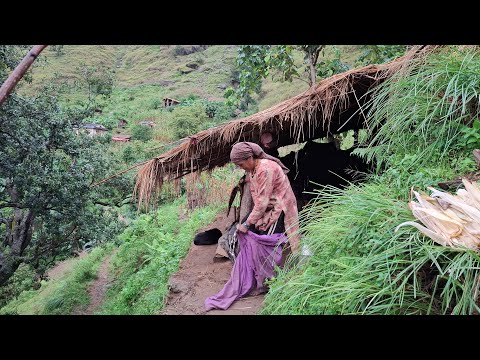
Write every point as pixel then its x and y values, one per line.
pixel 145 74
pixel 179 70
pixel 173 70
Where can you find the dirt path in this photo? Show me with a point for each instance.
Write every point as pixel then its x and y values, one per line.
pixel 63 267
pixel 199 277
pixel 98 288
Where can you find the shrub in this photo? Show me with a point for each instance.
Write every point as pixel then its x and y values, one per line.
pixel 142 133
pixel 187 120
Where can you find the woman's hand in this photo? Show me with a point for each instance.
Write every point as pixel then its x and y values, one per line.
pixel 242 228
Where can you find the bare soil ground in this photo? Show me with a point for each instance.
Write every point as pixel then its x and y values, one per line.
pixel 199 277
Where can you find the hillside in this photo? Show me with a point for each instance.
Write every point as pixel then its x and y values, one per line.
pixel 200 71
pixel 148 72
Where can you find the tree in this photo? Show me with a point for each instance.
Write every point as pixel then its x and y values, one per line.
pixel 377 54
pixel 143 133
pixel 189 119
pixel 257 62
pixel 47 204
pixel 97 82
pixel 311 57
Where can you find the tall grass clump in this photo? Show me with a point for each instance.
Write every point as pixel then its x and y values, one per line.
pixel 211 187
pixel 421 110
pixel 360 265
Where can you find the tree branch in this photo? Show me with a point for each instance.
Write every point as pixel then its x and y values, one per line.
pixel 7 205
pixel 299 78
pixel 19 71
pixel 116 204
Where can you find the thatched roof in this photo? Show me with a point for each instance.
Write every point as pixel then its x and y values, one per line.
pixel 324 109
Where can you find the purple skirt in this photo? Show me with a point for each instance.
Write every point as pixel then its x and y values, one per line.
pixel 254 264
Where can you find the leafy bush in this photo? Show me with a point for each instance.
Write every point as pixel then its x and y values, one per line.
pixel 471 135
pixel 142 133
pixel 23 279
pixel 329 67
pixel 155 104
pixel 57 49
pixel 179 50
pixel 377 54
pixel 219 111
pixel 187 120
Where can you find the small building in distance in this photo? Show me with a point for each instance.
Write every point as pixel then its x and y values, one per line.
pixel 147 123
pixel 121 138
pixel 167 102
pixel 92 129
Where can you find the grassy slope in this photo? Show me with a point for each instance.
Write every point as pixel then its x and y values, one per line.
pixel 145 74
pixel 148 72
pixel 63 295
pixel 140 285
pixel 151 251
pixel 137 65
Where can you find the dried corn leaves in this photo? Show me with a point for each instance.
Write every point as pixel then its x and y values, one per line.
pixel 450 220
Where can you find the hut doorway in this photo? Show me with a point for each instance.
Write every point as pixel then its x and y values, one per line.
pixel 323 162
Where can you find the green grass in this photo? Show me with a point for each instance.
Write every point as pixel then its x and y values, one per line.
pixel 362 266
pixel 152 248
pixel 151 251
pixel 139 65
pixel 421 113
pixel 63 295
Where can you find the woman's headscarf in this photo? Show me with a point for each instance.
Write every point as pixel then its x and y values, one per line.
pixel 243 150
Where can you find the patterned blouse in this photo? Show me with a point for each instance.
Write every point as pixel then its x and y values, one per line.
pixel 272 194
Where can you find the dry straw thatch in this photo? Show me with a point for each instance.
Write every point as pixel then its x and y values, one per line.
pixel 330 107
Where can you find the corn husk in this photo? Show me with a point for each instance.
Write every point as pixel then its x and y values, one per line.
pixel 449 220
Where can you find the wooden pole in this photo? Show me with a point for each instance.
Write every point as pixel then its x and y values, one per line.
pixel 19 71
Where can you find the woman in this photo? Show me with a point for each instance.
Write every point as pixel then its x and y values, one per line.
pixel 271 191
pixel 260 248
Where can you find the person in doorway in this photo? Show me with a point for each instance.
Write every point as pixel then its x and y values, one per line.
pixel 269 144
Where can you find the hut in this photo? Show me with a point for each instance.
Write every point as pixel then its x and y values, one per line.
pixel 167 102
pixel 94 129
pixel 121 138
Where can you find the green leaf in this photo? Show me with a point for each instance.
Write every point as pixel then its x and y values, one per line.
pixel 476 124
